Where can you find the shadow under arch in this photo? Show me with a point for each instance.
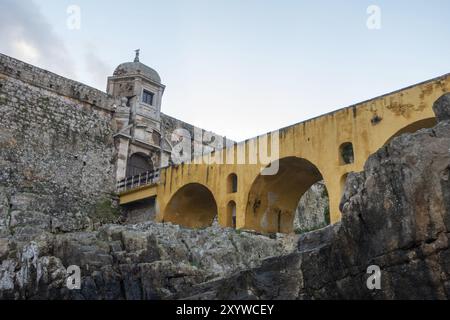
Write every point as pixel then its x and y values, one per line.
pixel 273 200
pixel 192 206
pixel 413 127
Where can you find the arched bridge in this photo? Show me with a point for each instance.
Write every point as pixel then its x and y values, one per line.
pixel 324 148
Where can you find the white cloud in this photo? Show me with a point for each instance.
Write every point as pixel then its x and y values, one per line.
pixel 25 50
pixel 25 34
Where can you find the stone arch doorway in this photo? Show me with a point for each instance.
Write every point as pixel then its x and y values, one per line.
pixel 192 206
pixel 139 163
pixel 413 127
pixel 273 200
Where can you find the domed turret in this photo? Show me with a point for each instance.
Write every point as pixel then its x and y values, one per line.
pixel 137 68
pixel 139 91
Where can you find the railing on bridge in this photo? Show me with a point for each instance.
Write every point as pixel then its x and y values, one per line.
pixel 143 179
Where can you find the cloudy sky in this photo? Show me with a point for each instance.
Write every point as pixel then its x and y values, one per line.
pixel 239 67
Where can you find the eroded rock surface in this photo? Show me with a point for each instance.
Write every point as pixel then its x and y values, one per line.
pixel 145 261
pixel 313 211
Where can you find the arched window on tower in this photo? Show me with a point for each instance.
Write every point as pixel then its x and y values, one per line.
pixel 139 163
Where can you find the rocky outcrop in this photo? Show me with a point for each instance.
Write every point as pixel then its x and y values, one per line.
pixel 145 261
pixel 313 211
pixel 442 108
pixel 396 215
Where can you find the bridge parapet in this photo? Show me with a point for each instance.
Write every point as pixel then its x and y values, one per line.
pixel 138 181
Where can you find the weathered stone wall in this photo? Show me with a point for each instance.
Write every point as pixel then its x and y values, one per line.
pixel 205 142
pixel 56 152
pixel 53 83
pixel 170 124
pixel 140 211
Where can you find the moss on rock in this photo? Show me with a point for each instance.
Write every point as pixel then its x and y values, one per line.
pixel 105 211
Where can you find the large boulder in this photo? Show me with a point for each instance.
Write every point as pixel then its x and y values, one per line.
pixel 442 108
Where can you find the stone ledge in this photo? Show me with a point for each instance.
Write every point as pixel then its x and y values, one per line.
pixel 52 82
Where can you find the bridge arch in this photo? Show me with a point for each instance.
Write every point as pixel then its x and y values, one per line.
pixel 273 200
pixel 192 206
pixel 413 127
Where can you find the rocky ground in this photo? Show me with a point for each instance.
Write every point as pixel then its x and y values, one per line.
pixel 144 261
pixel 396 215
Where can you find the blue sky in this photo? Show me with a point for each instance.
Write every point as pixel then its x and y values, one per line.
pixel 239 68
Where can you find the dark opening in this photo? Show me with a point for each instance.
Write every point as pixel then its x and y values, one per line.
pixel 138 164
pixel 156 138
pixel 346 153
pixel 232 183
pixel 147 97
pixel 232 213
pixel 343 182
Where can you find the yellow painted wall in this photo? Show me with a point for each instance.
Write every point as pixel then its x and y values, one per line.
pixel 138 194
pixel 317 141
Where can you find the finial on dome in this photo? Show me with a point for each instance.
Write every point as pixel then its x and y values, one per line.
pixel 136 59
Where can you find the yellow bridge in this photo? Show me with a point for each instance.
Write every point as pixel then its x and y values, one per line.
pixel 324 148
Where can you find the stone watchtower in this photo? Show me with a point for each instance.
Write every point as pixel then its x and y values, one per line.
pixel 138 117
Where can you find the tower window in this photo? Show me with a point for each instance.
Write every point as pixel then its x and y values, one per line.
pixel 147 97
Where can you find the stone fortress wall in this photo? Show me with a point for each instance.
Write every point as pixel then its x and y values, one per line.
pixel 54 83
pixel 57 151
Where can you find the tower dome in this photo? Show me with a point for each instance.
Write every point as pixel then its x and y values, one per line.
pixel 137 68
